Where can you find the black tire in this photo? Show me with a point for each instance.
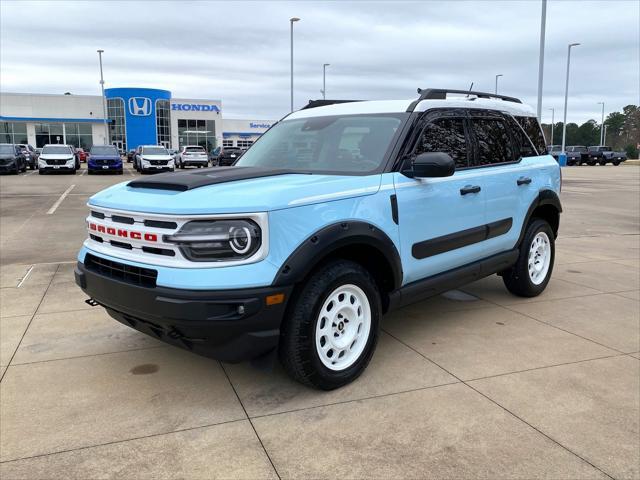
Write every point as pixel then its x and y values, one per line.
pixel 517 278
pixel 120 172
pixel 41 172
pixel 591 164
pixel 297 350
pixel 602 162
pixel 616 163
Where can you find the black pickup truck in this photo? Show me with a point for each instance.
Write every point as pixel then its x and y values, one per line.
pixel 579 153
pixel 573 157
pixel 604 155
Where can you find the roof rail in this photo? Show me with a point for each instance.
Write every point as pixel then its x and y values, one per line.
pixel 322 103
pixel 441 94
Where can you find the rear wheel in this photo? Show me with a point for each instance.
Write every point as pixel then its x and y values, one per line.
pixel 532 271
pixel 616 163
pixel 602 162
pixel 331 329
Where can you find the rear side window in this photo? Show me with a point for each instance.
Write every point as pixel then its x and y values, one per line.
pixel 523 145
pixel 494 141
pixel 532 128
pixel 445 135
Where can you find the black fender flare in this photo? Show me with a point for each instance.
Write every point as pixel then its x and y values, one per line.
pixel 331 238
pixel 545 197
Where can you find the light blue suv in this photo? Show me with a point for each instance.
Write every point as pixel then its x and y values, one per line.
pixel 341 212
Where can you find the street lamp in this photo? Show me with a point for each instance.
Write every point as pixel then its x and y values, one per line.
pixel 553 112
pixel 566 96
pixel 104 100
pixel 499 75
pixel 324 80
pixel 543 22
pixel 602 125
pixel 292 20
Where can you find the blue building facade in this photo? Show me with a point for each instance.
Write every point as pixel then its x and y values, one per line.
pixel 139 116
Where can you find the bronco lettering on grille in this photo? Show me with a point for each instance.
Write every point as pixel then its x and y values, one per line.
pixel 149 237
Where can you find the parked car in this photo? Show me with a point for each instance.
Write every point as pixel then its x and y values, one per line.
pixel 604 155
pixel 30 154
pixel 573 158
pixel 81 155
pixel 153 158
pixel 578 154
pixel 57 158
pixel 12 158
pixel 228 155
pixel 174 154
pixel 407 199
pixel 131 155
pixel 192 156
pixel 104 158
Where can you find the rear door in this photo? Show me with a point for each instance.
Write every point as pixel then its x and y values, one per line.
pixel 440 219
pixel 507 160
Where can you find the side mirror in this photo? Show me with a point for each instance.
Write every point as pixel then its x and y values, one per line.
pixel 430 165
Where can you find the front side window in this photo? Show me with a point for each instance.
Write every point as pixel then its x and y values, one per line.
pixel 494 141
pixel 352 144
pixel 445 135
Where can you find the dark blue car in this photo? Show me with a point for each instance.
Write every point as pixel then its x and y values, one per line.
pixel 104 158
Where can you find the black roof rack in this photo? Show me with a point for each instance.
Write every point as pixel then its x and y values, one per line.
pixel 441 94
pixel 322 103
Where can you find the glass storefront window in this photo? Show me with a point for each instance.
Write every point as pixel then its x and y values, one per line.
pixel 197 132
pixel 117 127
pixel 13 132
pixel 163 123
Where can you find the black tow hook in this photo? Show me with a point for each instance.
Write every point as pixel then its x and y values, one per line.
pixel 91 302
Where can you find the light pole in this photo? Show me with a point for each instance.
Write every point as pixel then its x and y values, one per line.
pixel 602 125
pixel 553 112
pixel 604 140
pixel 292 20
pixel 566 96
pixel 499 75
pixel 324 80
pixel 104 101
pixel 543 22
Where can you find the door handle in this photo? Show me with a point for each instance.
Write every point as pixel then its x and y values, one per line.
pixel 469 189
pixel 523 181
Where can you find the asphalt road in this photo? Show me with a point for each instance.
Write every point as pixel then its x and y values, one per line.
pixel 473 383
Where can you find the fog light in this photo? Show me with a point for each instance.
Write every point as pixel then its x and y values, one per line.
pixel 240 310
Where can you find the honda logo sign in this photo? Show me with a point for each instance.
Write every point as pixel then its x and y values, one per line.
pixel 140 106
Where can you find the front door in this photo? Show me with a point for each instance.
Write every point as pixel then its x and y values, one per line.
pixel 441 220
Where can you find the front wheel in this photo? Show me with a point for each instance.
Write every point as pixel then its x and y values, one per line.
pixel 616 163
pixel 532 271
pixel 331 329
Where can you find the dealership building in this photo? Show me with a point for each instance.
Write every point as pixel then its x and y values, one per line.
pixel 135 116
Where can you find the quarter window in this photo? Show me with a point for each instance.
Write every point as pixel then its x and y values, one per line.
pixel 446 135
pixel 534 132
pixel 494 142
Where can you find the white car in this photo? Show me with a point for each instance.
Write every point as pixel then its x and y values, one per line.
pixel 192 155
pixel 153 158
pixel 57 158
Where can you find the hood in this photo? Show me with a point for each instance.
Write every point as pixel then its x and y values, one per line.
pixel 156 157
pixel 5 156
pixel 104 157
pixel 240 196
pixel 56 156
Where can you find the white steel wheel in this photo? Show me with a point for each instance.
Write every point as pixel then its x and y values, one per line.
pixel 342 327
pixel 539 258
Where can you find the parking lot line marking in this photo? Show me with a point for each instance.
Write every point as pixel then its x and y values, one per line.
pixel 55 206
pixel 25 276
pixel 83 172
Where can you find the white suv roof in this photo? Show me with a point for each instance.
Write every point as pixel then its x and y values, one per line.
pixel 397 106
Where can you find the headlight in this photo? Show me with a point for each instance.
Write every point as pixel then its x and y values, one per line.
pixel 217 240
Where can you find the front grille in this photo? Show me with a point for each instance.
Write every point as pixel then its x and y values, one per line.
pixel 144 277
pixel 105 162
pixel 6 161
pixel 57 162
pixel 158 162
pixel 160 224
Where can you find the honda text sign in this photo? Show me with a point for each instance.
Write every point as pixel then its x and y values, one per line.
pixel 194 107
pixel 140 106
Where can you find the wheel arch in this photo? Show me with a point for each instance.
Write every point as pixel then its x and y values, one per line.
pixel 546 206
pixel 359 242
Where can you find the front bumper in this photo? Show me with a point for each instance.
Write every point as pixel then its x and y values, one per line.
pixel 228 325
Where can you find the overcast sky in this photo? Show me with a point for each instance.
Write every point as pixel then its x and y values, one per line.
pixel 239 51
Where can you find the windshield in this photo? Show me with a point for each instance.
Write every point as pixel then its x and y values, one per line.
pixel 104 150
pixel 332 144
pixel 6 149
pixel 154 151
pixel 56 150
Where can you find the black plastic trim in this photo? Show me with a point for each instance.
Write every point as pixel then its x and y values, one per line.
pixel 431 286
pixel 331 238
pixel 463 238
pixel 394 208
pixel 545 197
